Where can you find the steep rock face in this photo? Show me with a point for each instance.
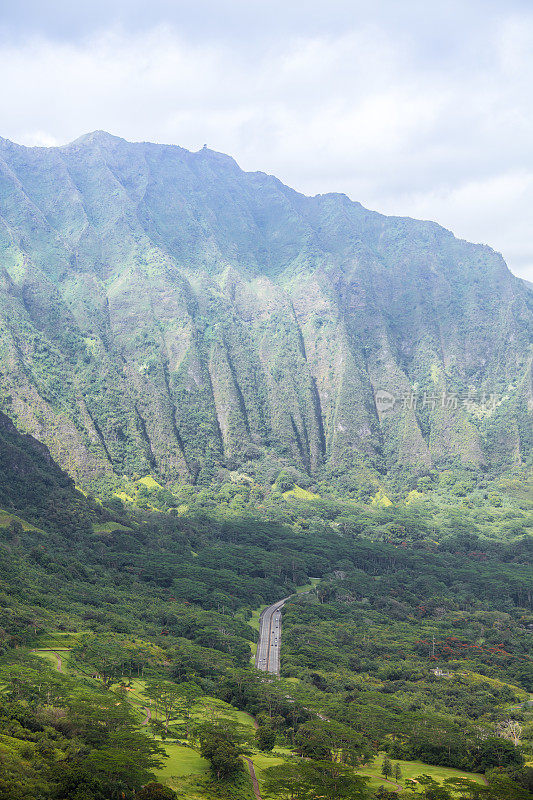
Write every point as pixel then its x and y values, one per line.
pixel 162 311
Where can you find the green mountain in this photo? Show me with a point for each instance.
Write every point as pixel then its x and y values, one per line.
pixel 165 312
pixel 127 637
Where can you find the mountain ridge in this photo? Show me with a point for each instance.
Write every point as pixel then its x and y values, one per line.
pixel 166 312
pixel 103 135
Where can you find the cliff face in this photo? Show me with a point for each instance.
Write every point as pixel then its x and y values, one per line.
pixel 163 311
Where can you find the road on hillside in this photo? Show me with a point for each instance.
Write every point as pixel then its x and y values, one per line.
pixel 268 647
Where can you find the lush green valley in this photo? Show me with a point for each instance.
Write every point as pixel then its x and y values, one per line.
pixel 240 394
pixel 126 638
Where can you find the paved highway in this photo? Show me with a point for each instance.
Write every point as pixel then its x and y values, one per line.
pixel 268 647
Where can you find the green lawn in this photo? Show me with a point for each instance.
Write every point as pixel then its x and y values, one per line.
pixel 109 527
pixel 136 699
pixel 212 708
pixel 306 587
pixel 264 760
pixel 241 717
pixel 182 761
pixel 48 655
pixel 51 655
pixel 253 622
pixel 412 769
pixel 58 640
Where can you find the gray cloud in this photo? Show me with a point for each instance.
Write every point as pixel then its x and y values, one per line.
pixel 420 114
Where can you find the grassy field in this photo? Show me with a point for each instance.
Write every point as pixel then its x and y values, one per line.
pixel 306 587
pixel 59 640
pixel 253 622
pixel 412 769
pixel 186 771
pixel 54 656
pixel 182 761
pixel 6 518
pixel 263 761
pixel 48 655
pixel 109 527
pixel 297 493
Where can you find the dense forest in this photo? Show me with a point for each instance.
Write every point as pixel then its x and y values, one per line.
pixel 127 631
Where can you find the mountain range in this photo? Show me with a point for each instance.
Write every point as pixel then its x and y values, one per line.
pixel 164 312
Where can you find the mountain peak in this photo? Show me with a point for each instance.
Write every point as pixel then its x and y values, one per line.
pixel 97 137
pixel 216 157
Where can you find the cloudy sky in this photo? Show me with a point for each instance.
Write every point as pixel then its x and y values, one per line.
pixel 416 108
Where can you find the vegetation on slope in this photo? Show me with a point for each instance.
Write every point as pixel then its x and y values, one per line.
pixel 414 643
pixel 164 312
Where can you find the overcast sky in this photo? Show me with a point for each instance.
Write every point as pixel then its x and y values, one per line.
pixel 420 109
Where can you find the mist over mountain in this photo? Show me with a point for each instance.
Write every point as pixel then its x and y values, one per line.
pixel 165 312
